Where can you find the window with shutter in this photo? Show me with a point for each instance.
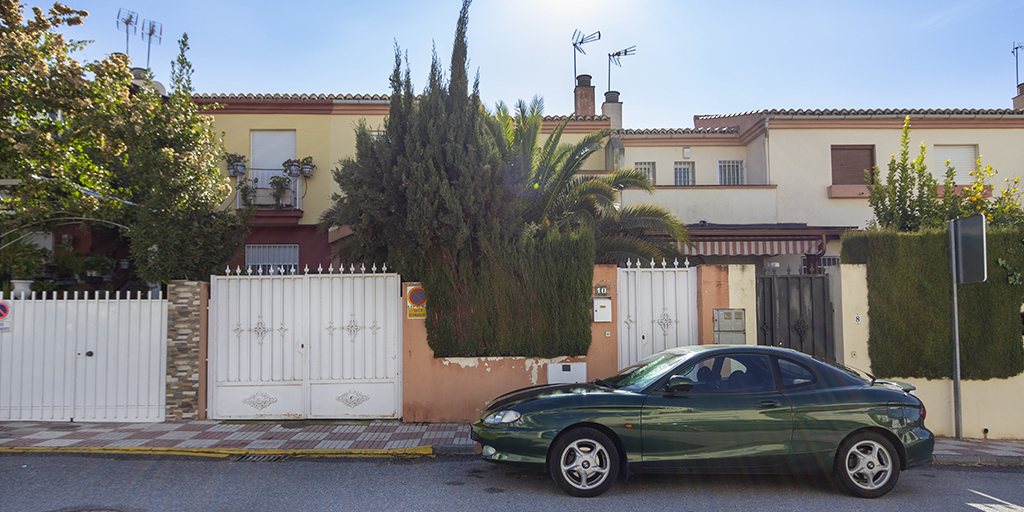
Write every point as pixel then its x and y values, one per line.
pixel 850 162
pixel 963 158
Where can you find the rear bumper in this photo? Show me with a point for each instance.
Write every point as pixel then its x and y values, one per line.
pixel 919 446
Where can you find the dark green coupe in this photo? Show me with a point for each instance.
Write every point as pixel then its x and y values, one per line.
pixel 713 409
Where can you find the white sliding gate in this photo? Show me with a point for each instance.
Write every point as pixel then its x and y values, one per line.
pixel 657 310
pixel 305 346
pixel 101 359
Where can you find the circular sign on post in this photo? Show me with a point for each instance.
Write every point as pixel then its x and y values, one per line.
pixel 417 297
pixel 416 302
pixel 5 309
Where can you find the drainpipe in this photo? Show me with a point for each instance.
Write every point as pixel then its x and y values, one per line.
pixel 767 156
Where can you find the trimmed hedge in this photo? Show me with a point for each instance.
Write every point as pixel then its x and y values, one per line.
pixel 533 300
pixel 910 305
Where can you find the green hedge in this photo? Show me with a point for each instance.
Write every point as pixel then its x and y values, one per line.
pixel 910 305
pixel 531 300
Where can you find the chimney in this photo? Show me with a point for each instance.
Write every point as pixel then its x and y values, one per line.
pixel 612 108
pixel 584 96
pixel 1018 101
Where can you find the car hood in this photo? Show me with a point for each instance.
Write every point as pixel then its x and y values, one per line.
pixel 546 391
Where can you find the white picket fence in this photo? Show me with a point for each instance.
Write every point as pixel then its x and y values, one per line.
pixel 69 358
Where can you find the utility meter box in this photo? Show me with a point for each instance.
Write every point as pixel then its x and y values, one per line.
pixel 602 309
pixel 567 373
pixel 730 326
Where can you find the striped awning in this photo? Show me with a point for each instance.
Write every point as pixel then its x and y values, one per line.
pixel 750 247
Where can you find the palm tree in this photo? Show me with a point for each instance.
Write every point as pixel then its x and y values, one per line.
pixel 558 198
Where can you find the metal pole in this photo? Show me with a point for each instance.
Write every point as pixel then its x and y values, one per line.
pixel 958 420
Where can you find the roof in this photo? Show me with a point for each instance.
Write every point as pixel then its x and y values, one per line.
pixel 678 131
pixel 902 112
pixel 303 96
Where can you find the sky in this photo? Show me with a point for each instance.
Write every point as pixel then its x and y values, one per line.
pixel 691 57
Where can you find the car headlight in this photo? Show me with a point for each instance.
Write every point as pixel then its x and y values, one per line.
pixel 501 417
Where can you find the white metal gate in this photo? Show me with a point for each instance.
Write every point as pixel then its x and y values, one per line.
pixel 657 310
pixel 305 346
pixel 100 359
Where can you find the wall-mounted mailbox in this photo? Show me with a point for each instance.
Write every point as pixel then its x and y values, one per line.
pixel 567 373
pixel 730 326
pixel 602 309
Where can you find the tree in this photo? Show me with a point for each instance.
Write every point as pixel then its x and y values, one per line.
pixel 558 198
pixel 79 141
pixel 909 199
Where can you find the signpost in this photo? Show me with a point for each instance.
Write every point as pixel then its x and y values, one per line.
pixel 5 313
pixel 968 262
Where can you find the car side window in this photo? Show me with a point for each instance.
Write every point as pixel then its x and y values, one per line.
pixel 795 374
pixel 740 373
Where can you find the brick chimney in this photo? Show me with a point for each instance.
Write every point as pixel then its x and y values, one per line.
pixel 612 108
pixel 584 96
pixel 1018 101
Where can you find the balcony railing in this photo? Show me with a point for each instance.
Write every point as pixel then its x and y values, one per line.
pixel 261 194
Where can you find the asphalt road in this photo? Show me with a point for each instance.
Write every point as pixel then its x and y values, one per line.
pixel 91 483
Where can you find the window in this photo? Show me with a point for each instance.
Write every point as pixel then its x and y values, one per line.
pixel 808 264
pixel 263 257
pixel 684 173
pixel 647 168
pixel 850 162
pixel 270 148
pixel 963 158
pixel 794 374
pixel 730 172
pixel 741 373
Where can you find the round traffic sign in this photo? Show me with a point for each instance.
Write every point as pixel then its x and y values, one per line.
pixel 5 309
pixel 417 297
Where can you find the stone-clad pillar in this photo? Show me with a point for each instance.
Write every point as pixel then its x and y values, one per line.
pixel 185 304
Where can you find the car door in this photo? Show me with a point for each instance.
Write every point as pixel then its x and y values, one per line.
pixel 733 416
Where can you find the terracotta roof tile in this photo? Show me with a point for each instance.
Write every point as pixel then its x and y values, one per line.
pixel 279 96
pixel 677 131
pixel 874 112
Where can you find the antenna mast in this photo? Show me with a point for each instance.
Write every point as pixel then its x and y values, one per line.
pixel 1016 58
pixel 578 40
pixel 151 30
pixel 614 57
pixel 127 22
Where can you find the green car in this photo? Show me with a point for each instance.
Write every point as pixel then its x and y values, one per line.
pixel 713 409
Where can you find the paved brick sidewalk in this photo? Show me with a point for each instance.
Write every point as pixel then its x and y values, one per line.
pixel 337 438
pixel 312 437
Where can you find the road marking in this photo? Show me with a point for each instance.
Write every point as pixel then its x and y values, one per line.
pixel 987 507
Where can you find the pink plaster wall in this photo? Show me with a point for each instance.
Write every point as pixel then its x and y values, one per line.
pixel 457 389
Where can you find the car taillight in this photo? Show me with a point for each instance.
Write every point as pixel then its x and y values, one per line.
pixel 924 412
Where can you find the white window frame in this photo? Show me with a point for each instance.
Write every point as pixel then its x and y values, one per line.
pixel 264 256
pixel 648 168
pixel 732 172
pixel 685 173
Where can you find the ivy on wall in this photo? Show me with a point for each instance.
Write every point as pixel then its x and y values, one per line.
pixel 910 305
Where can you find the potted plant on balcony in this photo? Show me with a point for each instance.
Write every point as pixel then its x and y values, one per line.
pixel 306 166
pixel 96 267
pixel 236 163
pixel 279 186
pixel 247 191
pixel 292 166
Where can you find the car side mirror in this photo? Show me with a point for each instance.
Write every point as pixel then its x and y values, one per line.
pixel 679 384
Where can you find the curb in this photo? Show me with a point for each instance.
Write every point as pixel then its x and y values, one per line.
pixel 977 460
pixel 419 451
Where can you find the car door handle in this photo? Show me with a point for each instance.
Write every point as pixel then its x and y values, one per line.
pixel 767 404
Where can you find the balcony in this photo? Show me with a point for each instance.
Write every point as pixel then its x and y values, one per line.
pixel 279 205
pixel 721 204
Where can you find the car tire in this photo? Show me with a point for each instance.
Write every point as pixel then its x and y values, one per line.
pixel 867 465
pixel 584 462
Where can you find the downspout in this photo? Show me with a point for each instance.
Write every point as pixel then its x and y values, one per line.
pixel 767 154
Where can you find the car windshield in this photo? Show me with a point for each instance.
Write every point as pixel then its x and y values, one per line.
pixel 648 370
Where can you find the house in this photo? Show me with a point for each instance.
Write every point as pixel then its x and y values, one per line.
pixel 772 188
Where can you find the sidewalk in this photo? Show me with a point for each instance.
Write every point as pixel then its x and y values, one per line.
pixel 310 438
pixel 335 438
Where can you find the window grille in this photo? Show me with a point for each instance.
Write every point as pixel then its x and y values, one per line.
pixel 265 256
pixel 823 261
pixel 684 173
pixel 730 172
pixel 647 168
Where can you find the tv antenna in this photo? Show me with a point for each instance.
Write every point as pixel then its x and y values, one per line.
pixel 1016 48
pixel 578 40
pixel 151 31
pixel 127 22
pixel 614 57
